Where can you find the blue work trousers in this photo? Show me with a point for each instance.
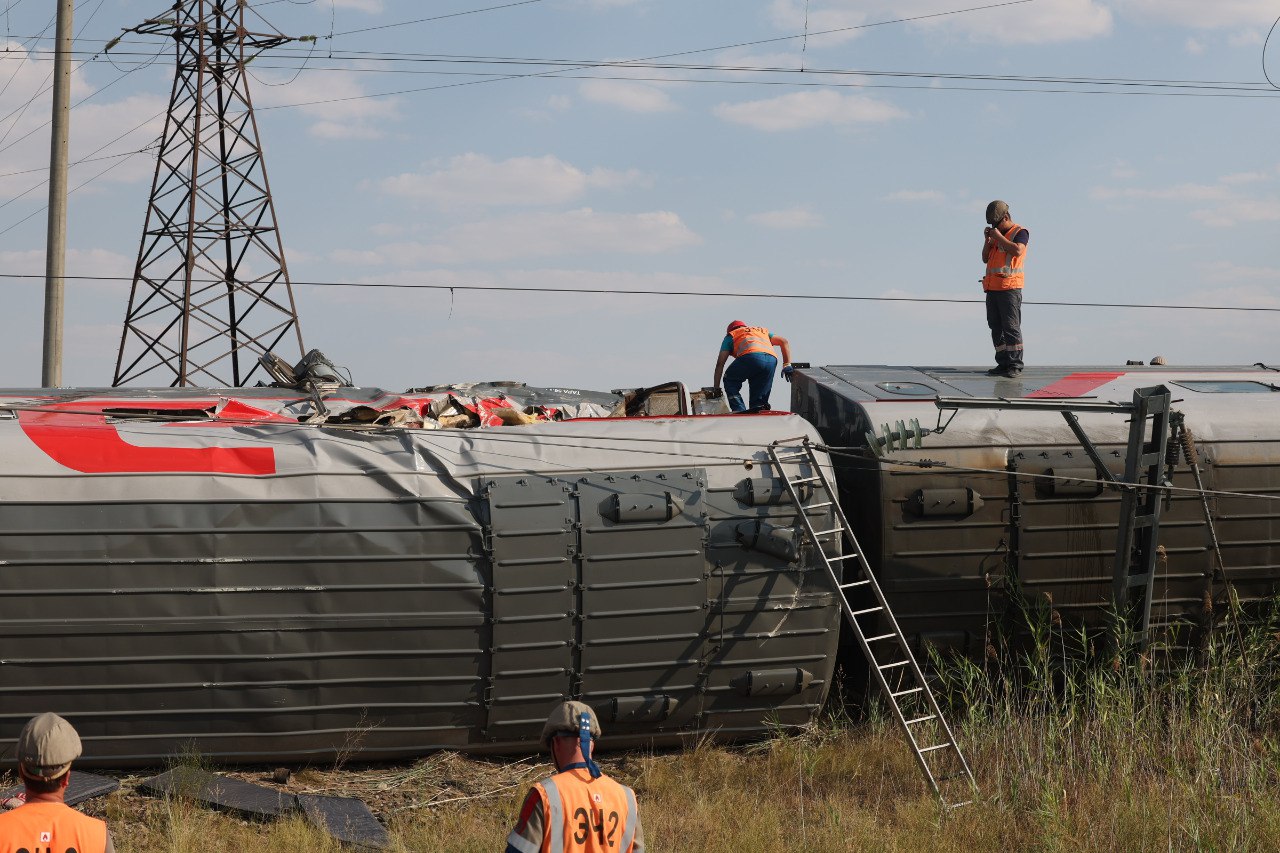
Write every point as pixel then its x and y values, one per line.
pixel 755 368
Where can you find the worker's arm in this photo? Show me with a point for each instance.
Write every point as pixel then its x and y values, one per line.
pixel 1017 250
pixel 637 846
pixel 783 344
pixel 720 360
pixel 527 835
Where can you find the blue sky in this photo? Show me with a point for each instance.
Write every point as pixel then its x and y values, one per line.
pixel 653 179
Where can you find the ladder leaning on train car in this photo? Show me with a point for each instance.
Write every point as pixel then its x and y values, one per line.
pixel 892 662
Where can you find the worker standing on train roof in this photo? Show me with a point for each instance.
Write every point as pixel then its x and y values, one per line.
pixel 753 363
pixel 47 746
pixel 1004 248
pixel 579 809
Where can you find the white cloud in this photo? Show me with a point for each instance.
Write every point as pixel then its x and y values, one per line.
pixel 1193 46
pixel 99 129
pixel 1245 38
pixel 633 97
pixel 373 7
pixel 476 180
pixel 1223 271
pixel 332 100
pixel 1179 192
pixel 788 219
pixel 1201 14
pixel 537 235
pixel 934 196
pixel 1222 204
pixel 1043 21
pixel 1240 210
pixel 800 110
pixel 92 262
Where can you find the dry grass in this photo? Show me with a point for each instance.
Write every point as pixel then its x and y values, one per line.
pixel 1068 757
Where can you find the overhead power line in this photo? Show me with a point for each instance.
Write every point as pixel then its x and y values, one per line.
pixel 606 291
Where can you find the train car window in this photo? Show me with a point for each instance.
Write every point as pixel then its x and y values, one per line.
pixel 907 389
pixel 1226 386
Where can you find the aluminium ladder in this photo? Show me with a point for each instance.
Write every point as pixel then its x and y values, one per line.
pixel 882 641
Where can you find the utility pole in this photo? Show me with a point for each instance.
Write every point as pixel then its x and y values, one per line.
pixel 56 243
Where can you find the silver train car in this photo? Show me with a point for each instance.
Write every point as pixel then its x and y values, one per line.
pixel 1014 513
pixel 267 575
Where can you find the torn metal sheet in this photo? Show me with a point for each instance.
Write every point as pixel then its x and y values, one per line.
pixel 245 799
pixel 81 787
pixel 347 819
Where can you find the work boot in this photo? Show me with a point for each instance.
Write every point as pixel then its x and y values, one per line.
pixel 998 370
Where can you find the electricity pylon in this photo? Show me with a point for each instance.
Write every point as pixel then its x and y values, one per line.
pixel 211 290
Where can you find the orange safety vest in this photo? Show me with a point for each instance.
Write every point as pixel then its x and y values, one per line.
pixel 748 339
pixel 51 828
pixel 585 815
pixel 1004 272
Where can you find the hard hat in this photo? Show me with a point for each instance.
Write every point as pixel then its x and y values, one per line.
pixel 736 324
pixel 47 746
pixel 996 211
pixel 566 718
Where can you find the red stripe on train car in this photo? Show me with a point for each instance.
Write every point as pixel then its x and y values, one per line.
pixel 1076 385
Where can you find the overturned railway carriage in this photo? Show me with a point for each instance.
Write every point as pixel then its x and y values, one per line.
pixel 201 569
pixel 1005 504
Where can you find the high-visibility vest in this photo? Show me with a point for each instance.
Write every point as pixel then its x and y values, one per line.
pixel 51 828
pixel 585 815
pixel 747 339
pixel 1004 272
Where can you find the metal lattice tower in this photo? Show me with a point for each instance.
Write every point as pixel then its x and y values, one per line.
pixel 211 291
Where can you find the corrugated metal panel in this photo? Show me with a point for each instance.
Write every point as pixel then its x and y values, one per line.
pixel 297 620
pixel 533 524
pixel 644 588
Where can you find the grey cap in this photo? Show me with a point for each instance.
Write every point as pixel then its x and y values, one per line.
pixel 564 720
pixel 47 746
pixel 996 211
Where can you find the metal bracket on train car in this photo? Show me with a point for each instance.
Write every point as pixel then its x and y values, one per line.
pixel 903 436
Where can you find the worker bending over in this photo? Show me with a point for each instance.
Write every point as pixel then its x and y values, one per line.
pixel 753 363
pixel 45 823
pixel 578 810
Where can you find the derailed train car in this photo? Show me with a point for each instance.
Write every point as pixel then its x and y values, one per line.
pixel 264 574
pixel 1003 507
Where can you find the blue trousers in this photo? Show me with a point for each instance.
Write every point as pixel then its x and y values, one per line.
pixel 755 368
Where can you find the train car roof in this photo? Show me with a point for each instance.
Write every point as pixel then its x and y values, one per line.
pixel 1237 402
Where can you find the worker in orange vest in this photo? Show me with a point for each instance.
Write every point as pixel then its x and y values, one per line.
pixel 579 809
pixel 753 362
pixel 45 823
pixel 1004 248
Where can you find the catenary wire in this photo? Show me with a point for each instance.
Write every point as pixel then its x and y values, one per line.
pixel 598 291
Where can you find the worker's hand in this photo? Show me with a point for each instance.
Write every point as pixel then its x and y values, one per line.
pixel 787 370
pixel 986 232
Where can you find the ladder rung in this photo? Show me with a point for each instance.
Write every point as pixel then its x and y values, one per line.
pixel 880 637
pixel 934 747
pixel 905 692
pixel 828 532
pixel 821 505
pixel 855 583
pixel 802 481
pixel 791 457
pixel 841 558
pixel 923 719
pixel 868 610
pixel 895 664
